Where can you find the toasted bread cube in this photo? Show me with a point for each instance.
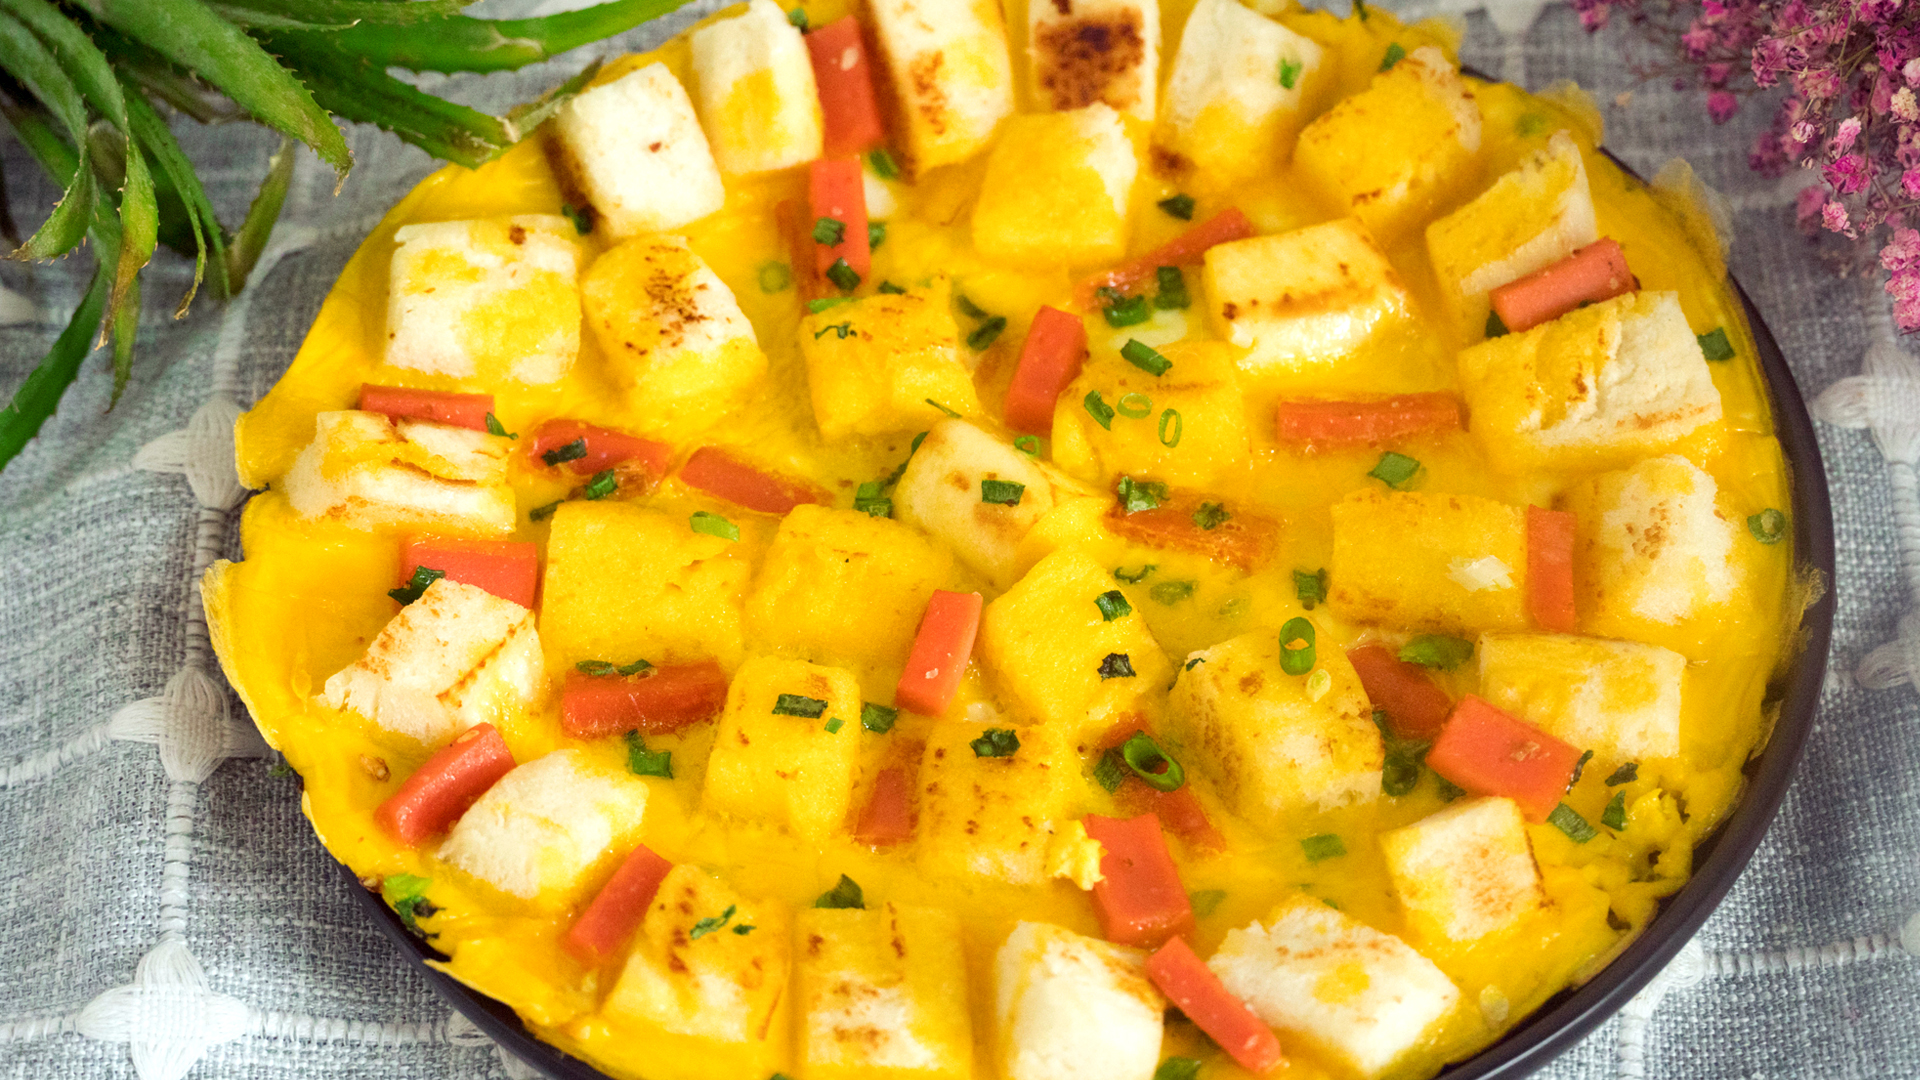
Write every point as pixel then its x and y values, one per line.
pixel 992 817
pixel 885 363
pixel 756 97
pixel 1362 996
pixel 1072 1007
pixel 779 756
pixel 941 493
pixel 1528 220
pixel 367 471
pixel 1420 561
pixel 456 657
pixel 839 584
pixel 1304 300
pixel 1083 51
pixel 671 333
pixel 1231 107
pixel 635 148
pixel 1398 151
pixel 1599 386
pixel 881 993
pixel 489 300
pixel 1057 190
pixel 1654 550
pixel 692 975
pixel 1054 648
pixel 1465 872
pixel 951 76
pixel 539 829
pixel 1195 405
pixel 1620 699
pixel 1273 750
pixel 625 583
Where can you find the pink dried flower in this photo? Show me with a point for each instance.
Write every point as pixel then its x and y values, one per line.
pixel 1904 287
pixel 1848 174
pixel 1834 216
pixel 1911 72
pixel 1904 106
pixel 1808 205
pixel 1910 183
pixel 1721 105
pixel 1844 134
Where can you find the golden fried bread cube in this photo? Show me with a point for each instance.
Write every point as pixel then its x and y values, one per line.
pixel 1186 425
pixel 1083 51
pixel 634 146
pixel 1237 94
pixel 1072 1007
pixel 1304 300
pixel 1276 746
pixel 945 491
pixel 881 992
pixel 839 584
pixel 1531 218
pixel 1597 387
pixel 624 583
pixel 693 975
pixel 787 747
pixel 540 829
pixel 455 657
pixel 1429 561
pixel 1329 980
pixel 887 362
pixel 671 333
pixel 754 91
pixel 992 815
pixel 1620 699
pixel 950 73
pixel 1466 871
pixel 1061 646
pixel 368 471
pixel 1057 190
pixel 491 300
pixel 1398 151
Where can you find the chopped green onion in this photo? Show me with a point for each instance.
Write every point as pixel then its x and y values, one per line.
pixel 834 725
pixel 542 513
pixel 1002 492
pixel 1211 516
pixel 1496 327
pixel 1151 764
pixel 967 307
pixel 845 893
pixel 984 334
pixel 883 165
pixel 708 925
pixel 775 276
pixel 1615 815
pixel 1138 495
pixel 815 307
pixel 1319 683
pixel 416 585
pixel 1324 846
pixel 1625 774
pixel 407 895
pixel 838 330
pixel 1395 53
pixel 1180 206
pixel 843 276
pixel 1401 770
pixel 1111 772
pixel 1133 577
pixel 996 742
pixel 943 409
pixel 603 484
pixel 1290 72
pixel 1310 587
pixel 1448 790
pixel 1394 469
pixel 1116 665
pixel 1714 344
pixel 634 668
pixel 869 499
pixel 1769 526
pixel 1437 651
pixel 494 427
pixel 744 929
pixel 876 234
pixel 1141 355
pixel 1205 902
pixel 713 525
pixel 644 762
pixel 1172 295
pixel 890 289
pixel 1179 426
pixel 595 667
pixel 573 451
pixel 829 231
pixel 581 218
pixel 1171 592
pixel 1193 663
pixel 878 718
pixel 1113 605
pixel 1101 412
pixel 1296 660
pixel 1360 9
pixel 1123 310
pixel 1134 406
pixel 1579 767
pixel 1028 445
pixel 798 17
pixel 811 708
pixel 1568 820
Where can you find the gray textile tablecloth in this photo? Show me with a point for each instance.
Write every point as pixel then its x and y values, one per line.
pixel 168 911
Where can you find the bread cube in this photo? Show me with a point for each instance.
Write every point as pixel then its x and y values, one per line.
pixel 692 974
pixel 839 584
pixel 671 334
pixel 1654 550
pixel 1419 561
pixel 367 471
pixel 1465 872
pixel 1196 405
pixel 1071 1007
pixel 951 76
pixel 779 756
pixel 886 363
pixel 992 817
pixel 1083 51
pixel 1237 94
pixel 1057 189
pixel 1528 220
pixel 539 829
pixel 456 657
pixel 756 96
pixel 881 992
pixel 489 300
pixel 1620 699
pixel 624 583
pixel 1398 151
pixel 1324 977
pixel 634 147
pixel 1053 647
pixel 1305 300
pixel 941 493
pixel 1274 751
pixel 1597 387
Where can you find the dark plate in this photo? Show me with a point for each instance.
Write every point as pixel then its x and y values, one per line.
pixel 1568 1016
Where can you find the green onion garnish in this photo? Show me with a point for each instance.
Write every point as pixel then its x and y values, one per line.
pixel 1173 289
pixel 870 499
pixel 542 513
pixel 1579 767
pixel 1324 846
pixel 1569 821
pixel 1171 592
pixel 1211 516
pixel 1112 604
pixel 1310 586
pixel 844 894
pixel 744 929
pixel 815 307
pixel 634 668
pixel 1134 406
pixel 811 708
pixel 834 725
pixel 1205 902
pixel 1394 469
pixel 1178 1068
pixel 1714 344
pixel 843 276
pixel 878 718
pixel 1171 416
pixel 1123 310
pixel 890 289
pixel 829 231
pixel 572 451
pixel 1290 72
pixel 775 276
pixel 1496 327
pixel 1615 815
pixel 876 234
pixel 494 427
pixel 1437 651
pixel 943 409
pixel 1193 663
pixel 710 924
pixel 582 218
pixel 1447 789
pixel 603 484
pixel 1769 526
pixel 967 307
pixel 996 742
pixel 1101 412
pixel 407 894
pixel 1002 492
pixel 1296 659
pixel 984 334
pixel 882 165
pixel 1116 665
pixel 644 762
pixel 1141 355
pixel 1138 495
pixel 1395 54
pixel 416 585
pixel 713 525
pixel 1180 206
pixel 840 331
pixel 798 17
pixel 1111 772
pixel 1133 577
pixel 1401 770
pixel 595 667
pixel 1028 445
pixel 1152 764
pixel 1625 774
